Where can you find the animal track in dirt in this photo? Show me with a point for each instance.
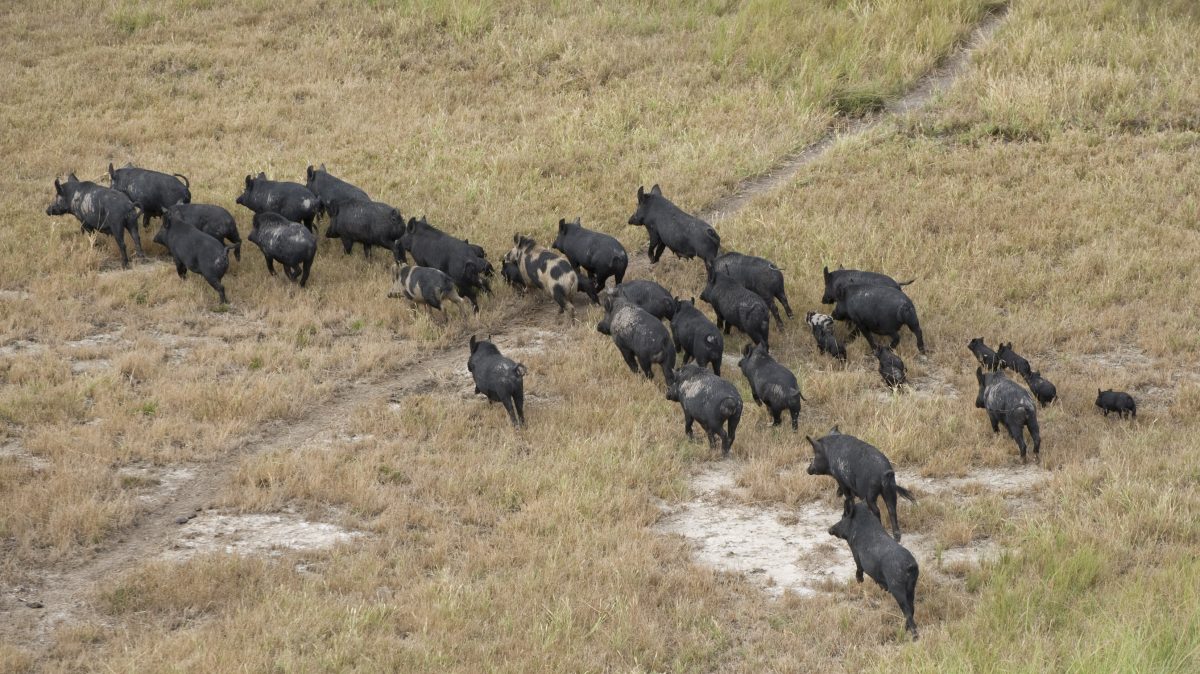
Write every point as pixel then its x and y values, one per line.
pixel 267 534
pixel 784 549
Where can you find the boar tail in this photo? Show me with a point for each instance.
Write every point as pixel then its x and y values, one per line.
pixel 906 283
pixel 901 491
pixel 889 484
pixel 187 185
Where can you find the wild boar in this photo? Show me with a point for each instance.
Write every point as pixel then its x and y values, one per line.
pixel 641 338
pixel 759 276
pixel 369 223
pixel 712 401
pixel 1116 401
pixel 500 379
pixel 860 471
pixel 1011 360
pixel 461 260
pixel 212 220
pixel 696 336
pixel 291 200
pixel 886 561
pixel 669 227
pixel 880 310
pixel 98 209
pixel 289 242
pixel 599 254
pixel 655 299
pixel 822 331
pixel 425 285
pixel 195 251
pixel 1042 389
pixel 836 280
pixel 771 384
pixel 891 367
pixel 984 354
pixel 153 191
pixel 331 191
pixel 545 269
pixel 1005 400
pixel 737 307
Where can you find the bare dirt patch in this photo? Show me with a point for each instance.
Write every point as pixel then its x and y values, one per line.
pixel 783 549
pixel 269 535
pixel 13 451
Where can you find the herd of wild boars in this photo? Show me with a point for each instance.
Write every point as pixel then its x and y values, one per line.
pixel 647 323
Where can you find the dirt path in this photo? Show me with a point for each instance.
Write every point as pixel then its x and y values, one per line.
pixel 63 593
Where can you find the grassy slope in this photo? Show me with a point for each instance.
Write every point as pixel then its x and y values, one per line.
pixel 506 552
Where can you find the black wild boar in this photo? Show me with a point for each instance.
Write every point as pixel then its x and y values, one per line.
pixel 758 275
pixel 1116 401
pixel 462 261
pixel 641 338
pixel 822 331
pixel 425 285
pixel 1011 360
pixel 153 191
pixel 669 227
pixel 212 220
pixel 370 223
pixel 599 254
pixel 712 401
pixel 291 243
pixel 330 190
pixel 984 354
pixel 652 297
pixel 771 384
pixel 696 336
pixel 1042 389
pixel 737 307
pixel 887 562
pixel 860 471
pixel 891 367
pixel 498 378
pixel 1005 400
pixel 194 251
pixel 291 200
pixel 98 209
pixel 545 269
pixel 835 280
pixel 880 310
pixel 512 275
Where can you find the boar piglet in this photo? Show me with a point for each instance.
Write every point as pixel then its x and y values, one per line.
pixel 696 336
pixel 712 401
pixel 1042 389
pixel 891 367
pixel 655 299
pixel 1005 400
pixel 599 254
pixel 195 251
pixel 737 307
pixel 290 243
pixel 822 331
pixel 641 338
pixel 331 191
pixel 669 227
pixel 498 378
pixel 291 200
pixel 836 280
pixel 369 223
pixel 759 276
pixel 461 260
pixel 425 285
pixel 1116 401
pixel 878 310
pixel 860 471
pixel 1011 360
pixel 887 562
pixel 984 354
pixel 98 209
pixel 512 275
pixel 543 268
pixel 153 191
pixel 771 384
pixel 212 220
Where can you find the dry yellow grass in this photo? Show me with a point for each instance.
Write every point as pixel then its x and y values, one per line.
pixel 492 550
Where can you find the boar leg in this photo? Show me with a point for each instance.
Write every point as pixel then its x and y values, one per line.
pixel 776 416
pixel 512 414
pixel 630 360
pixel 560 298
pixel 519 403
pixel 795 418
pixel 1035 433
pixel 1016 429
pixel 366 250
pixel 782 297
pixel 775 313
pixel 180 268
pixel 120 237
pixel 994 418
pixel 347 245
pixel 646 366
pixel 306 267
pixel 733 424
pixel 687 424
pixel 270 264
pixel 137 240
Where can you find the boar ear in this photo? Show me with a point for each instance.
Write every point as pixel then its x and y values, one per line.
pixel 262 175
pixel 472 343
pixel 516 238
pixel 641 193
pixel 656 190
pixel 57 186
pixel 249 181
pixel 562 224
pixel 309 172
pixel 746 350
pixel 577 223
pixel 835 429
pixel 72 178
pixel 110 169
pixel 825 272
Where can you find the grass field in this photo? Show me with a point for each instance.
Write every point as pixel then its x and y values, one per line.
pixel 1048 199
